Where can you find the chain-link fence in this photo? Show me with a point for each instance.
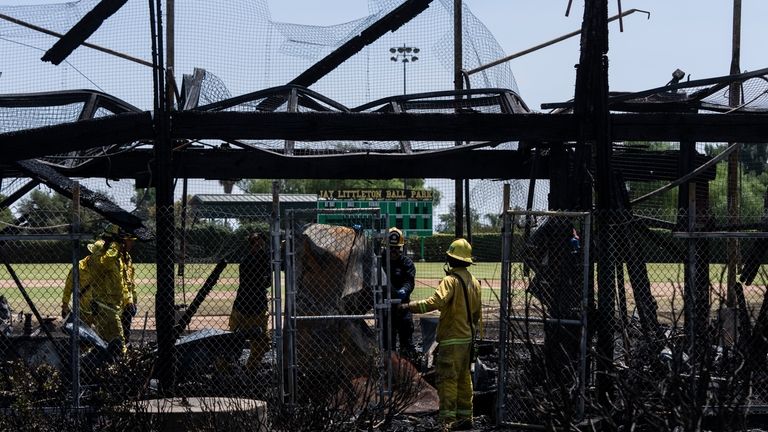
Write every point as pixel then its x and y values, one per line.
pixel 651 319
pixel 543 316
pixel 331 280
pixel 293 313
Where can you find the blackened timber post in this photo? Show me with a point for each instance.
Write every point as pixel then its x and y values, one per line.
pixel 591 110
pixel 164 297
pixel 457 85
pixel 734 196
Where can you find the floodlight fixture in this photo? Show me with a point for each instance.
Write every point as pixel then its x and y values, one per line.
pixel 677 75
pixel 404 54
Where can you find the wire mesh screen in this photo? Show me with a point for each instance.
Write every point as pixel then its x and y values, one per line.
pixel 245 49
pixel 224 320
pixel 680 316
pixel 234 317
pixel 543 360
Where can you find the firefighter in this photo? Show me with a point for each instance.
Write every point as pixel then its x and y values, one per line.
pixel 402 280
pixel 457 297
pixel 124 241
pixel 86 281
pixel 250 312
pixel 107 291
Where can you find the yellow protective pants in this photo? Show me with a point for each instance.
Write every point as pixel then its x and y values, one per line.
pixel 454 383
pixel 106 322
pixel 256 331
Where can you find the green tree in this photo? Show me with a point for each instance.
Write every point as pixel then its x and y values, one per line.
pixel 6 217
pixel 42 209
pixel 752 190
pixel 754 158
pixel 752 184
pixel 145 200
pixel 447 222
pixel 494 222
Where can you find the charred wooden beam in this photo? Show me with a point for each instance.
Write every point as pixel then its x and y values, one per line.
pixel 82 30
pixel 389 22
pixel 464 127
pixel 228 164
pixel 752 128
pixel 130 127
pixel 81 135
pixel 370 126
pixel 225 165
pixel 95 201
pixel 12 198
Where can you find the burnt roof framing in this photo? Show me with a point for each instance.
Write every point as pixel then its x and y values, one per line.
pixel 132 127
pixel 313 126
pixel 497 164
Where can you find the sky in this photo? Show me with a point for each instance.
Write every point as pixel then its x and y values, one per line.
pixel 692 35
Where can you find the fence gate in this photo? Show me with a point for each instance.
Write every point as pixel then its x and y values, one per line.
pixel 334 278
pixel 542 333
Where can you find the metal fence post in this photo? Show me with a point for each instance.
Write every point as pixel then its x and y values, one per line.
pixel 584 314
pixel 75 314
pixel 277 290
pixel 378 313
pixel 506 246
pixel 290 308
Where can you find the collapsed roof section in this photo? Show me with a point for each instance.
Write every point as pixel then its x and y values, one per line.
pixel 19 112
pixel 70 131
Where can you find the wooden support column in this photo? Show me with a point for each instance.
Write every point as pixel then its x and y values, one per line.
pixel 163 169
pixel 591 109
pixel 734 195
pixel 457 85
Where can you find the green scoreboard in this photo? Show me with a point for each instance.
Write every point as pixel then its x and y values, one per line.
pixel 409 210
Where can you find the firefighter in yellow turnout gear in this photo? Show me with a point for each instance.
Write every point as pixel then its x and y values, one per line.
pixel 107 302
pixel 86 284
pixel 454 334
pixel 123 241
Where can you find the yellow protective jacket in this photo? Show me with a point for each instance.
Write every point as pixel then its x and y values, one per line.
pixel 86 292
pixel 448 298
pixel 127 274
pixel 107 279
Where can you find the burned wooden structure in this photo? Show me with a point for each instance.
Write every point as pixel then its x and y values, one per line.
pixel 574 147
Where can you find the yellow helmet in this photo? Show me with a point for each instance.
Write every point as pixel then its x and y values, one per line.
pixel 97 247
pixel 461 250
pixel 395 237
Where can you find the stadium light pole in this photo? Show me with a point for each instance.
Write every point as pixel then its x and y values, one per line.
pixel 404 54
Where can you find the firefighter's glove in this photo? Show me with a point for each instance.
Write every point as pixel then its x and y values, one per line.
pixel 130 308
pixel 402 294
pixel 65 310
pixel 403 307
